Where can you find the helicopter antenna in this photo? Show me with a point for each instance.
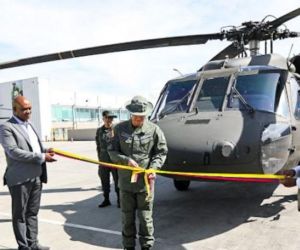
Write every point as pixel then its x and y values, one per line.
pixel 178 71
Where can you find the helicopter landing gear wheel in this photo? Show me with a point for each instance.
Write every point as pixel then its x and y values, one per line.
pixel 181 185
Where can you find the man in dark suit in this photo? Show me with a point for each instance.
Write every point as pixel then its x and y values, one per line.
pixel 26 170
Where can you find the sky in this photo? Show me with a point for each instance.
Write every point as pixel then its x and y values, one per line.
pixel 32 27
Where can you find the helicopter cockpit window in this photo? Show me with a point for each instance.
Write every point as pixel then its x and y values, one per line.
pixel 175 98
pixel 295 90
pixel 281 103
pixel 262 91
pixel 211 95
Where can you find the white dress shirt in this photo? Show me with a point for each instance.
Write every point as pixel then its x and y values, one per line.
pixel 34 142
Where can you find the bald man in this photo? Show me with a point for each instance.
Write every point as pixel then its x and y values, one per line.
pixel 26 170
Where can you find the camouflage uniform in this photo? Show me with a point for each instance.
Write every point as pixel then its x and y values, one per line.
pixel 103 138
pixel 147 146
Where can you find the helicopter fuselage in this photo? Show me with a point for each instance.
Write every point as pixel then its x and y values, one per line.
pixel 233 116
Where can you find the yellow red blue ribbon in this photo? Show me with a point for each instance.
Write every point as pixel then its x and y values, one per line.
pixel 207 176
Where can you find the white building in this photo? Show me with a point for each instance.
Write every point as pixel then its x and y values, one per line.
pixel 36 91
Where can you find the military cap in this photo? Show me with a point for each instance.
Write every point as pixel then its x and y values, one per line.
pixel 107 113
pixel 139 106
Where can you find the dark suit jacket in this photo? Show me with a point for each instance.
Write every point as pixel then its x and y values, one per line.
pixel 22 163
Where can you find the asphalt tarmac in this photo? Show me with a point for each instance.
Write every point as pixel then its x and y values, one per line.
pixel 209 216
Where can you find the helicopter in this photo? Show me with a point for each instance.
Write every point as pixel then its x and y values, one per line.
pixel 238 113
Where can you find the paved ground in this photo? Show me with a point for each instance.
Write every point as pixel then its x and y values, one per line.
pixel 210 216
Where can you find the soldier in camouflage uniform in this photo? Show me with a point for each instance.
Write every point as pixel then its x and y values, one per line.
pixel 103 138
pixel 137 143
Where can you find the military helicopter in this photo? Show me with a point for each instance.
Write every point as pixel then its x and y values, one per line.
pixel 238 113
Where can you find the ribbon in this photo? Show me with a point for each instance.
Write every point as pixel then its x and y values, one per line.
pixel 207 176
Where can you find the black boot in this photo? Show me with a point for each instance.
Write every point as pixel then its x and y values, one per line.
pixel 106 202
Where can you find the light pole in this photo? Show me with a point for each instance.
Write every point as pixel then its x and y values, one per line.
pixel 73 115
pixel 74 110
pixel 120 113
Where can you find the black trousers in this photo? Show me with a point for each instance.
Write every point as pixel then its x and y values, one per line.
pixel 26 199
pixel 104 174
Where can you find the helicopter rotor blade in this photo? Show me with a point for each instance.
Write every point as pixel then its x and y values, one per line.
pixel 231 51
pixel 118 47
pixel 277 22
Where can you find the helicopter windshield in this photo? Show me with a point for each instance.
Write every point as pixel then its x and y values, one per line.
pixel 174 98
pixel 262 91
pixel 211 95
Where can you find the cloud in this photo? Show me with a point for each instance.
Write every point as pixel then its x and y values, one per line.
pixel 33 27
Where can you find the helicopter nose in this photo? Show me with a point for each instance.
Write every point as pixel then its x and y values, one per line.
pixel 211 141
pixel 227 142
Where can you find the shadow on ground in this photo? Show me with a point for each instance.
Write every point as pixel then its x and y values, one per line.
pixel 206 210
pixel 59 190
